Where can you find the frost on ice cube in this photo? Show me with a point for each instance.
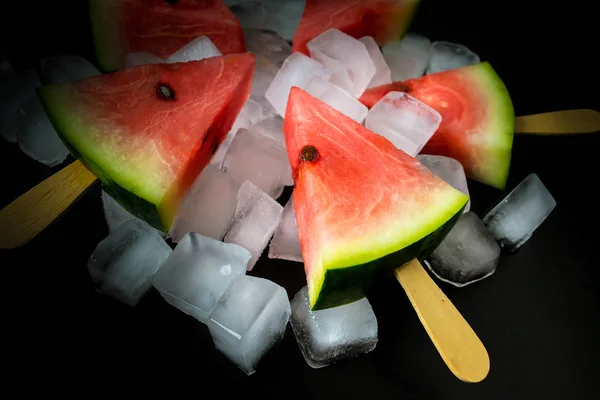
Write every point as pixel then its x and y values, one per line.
pixel 65 69
pixel 123 264
pixel 284 16
pixel 115 214
pixel 208 206
pixel 199 271
pixel 337 98
pixel 16 89
pixel 333 334
pixel 270 127
pixel 260 160
pixel 285 244
pixel 256 218
pixel 383 75
pixel 469 253
pixel 346 58
pixel 446 56
pixel 36 135
pixel 267 44
pixel 449 170
pixel 198 49
pixel 249 320
pixel 520 213
pixel 297 70
pixel 404 121
pixel 5 67
pixel 251 14
pixel 409 57
pixel 142 58
pixel 264 73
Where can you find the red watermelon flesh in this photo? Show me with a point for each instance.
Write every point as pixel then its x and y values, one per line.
pixel 160 27
pixel 477 126
pixel 148 131
pixel 384 20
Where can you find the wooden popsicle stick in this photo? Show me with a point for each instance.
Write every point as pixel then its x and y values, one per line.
pixel 559 122
pixel 455 340
pixel 33 211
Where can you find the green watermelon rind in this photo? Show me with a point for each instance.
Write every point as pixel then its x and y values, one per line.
pixel 107 38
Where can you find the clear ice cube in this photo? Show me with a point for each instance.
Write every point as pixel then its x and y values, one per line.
pixel 249 320
pixel 520 213
pixel 199 271
pixel 297 70
pixel 16 89
pixel 251 14
pixel 337 98
pixel 5 67
pixel 65 69
pixel 256 218
pixel 449 170
pixel 264 73
pixel 208 206
pixel 346 58
pixel 383 74
pixel 267 44
pixel 115 214
pixel 285 244
pixel 142 58
pixel 270 127
pixel 446 56
pixel 409 57
pixel 404 121
pixel 122 265
pixel 333 334
pixel 198 49
pixel 469 253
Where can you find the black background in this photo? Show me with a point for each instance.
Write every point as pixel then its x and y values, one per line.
pixel 538 315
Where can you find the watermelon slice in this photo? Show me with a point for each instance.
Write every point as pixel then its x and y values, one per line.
pixel 361 204
pixel 147 132
pixel 478 119
pixel 159 27
pixel 384 20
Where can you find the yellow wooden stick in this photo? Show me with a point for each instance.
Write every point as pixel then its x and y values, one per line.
pixel 455 340
pixel 559 123
pixel 33 211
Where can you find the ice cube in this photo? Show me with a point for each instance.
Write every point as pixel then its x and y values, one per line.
pixel 251 14
pixel 297 70
pixel 337 98
pixel 446 56
pixel 249 320
pixel 256 218
pixel 346 58
pixel 123 264
pixel 449 170
pixel 284 16
pixel 199 271
pixel 267 44
pixel 65 69
pixel 264 73
pixel 5 67
pixel 383 75
pixel 260 160
pixel 208 206
pixel 36 135
pixel 116 215
pixel 16 89
pixel 270 127
pixel 142 58
pixel 333 334
pixel 285 244
pixel 198 49
pixel 467 254
pixel 520 213
pixel 409 57
pixel 404 121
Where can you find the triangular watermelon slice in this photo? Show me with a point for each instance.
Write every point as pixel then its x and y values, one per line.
pixel 478 119
pixel 160 27
pixel 147 132
pixel 361 204
pixel 384 20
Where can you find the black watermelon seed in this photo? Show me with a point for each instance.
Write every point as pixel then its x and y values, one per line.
pixel 309 154
pixel 165 92
pixel 171 1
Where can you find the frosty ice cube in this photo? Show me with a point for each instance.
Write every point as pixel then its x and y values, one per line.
pixel 449 170
pixel 264 73
pixel 16 89
pixel 404 121
pixel 346 58
pixel 208 206
pixel 64 69
pixel 198 49
pixel 115 214
pixel 249 320
pixel 409 57
pixel 383 75
pixel 520 213
pixel 251 14
pixel 142 58
pixel 123 264
pixel 268 45
pixel 270 127
pixel 333 334
pixel 297 70
pixel 199 271
pixel 467 254
pixel 256 218
pixel 337 98
pixel 285 244
pixel 446 56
